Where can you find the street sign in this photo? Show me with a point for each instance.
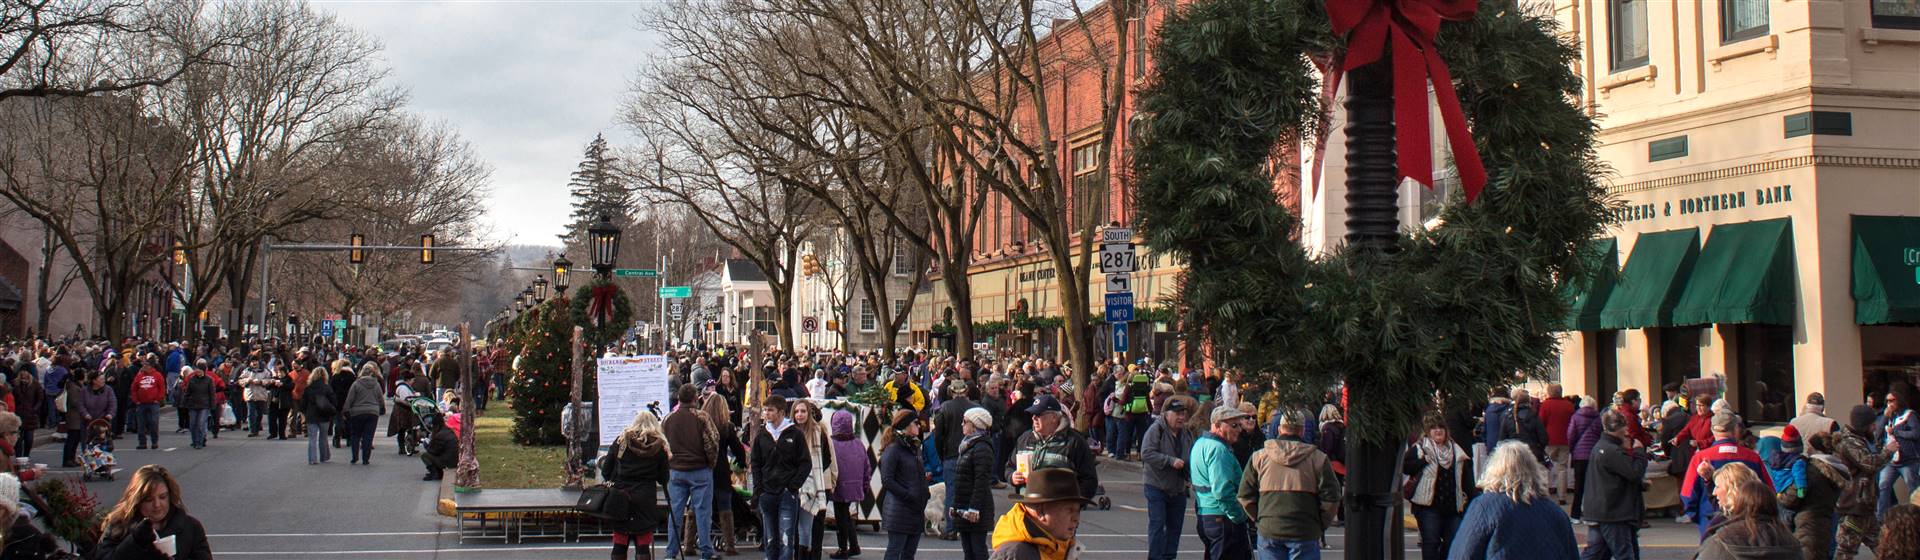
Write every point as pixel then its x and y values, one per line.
pixel 1117 235
pixel 1119 337
pixel 1119 282
pixel 677 310
pixel 1116 258
pixel 670 292
pixel 635 273
pixel 1120 307
pixel 326 329
pixel 339 324
pixel 810 324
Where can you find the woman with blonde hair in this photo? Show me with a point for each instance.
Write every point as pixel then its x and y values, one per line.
pixel 1514 517
pixel 1749 524
pixel 816 492
pixel 151 521
pixel 636 467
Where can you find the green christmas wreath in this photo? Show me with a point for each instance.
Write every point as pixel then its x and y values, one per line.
pixel 1455 311
pixel 612 323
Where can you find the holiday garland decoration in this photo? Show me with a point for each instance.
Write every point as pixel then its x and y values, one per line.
pixel 603 311
pixel 1453 311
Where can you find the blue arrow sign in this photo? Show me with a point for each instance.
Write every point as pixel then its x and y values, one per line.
pixel 1120 337
pixel 1119 307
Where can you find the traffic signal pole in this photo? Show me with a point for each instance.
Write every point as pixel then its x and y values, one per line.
pixel 267 248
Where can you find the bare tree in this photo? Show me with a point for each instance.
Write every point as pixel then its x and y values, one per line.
pixel 76 48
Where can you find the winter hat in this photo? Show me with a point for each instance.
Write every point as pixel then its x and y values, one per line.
pixel 1861 419
pixel 1725 422
pixel 1790 440
pixel 979 418
pixel 9 491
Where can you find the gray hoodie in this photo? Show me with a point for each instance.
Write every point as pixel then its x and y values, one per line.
pixel 365 397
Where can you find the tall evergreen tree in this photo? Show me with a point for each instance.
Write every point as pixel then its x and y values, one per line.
pixel 597 190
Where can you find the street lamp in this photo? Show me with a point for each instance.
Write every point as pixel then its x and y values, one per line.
pixel 604 240
pixel 561 268
pixel 273 307
pixel 519 303
pixel 527 296
pixel 539 289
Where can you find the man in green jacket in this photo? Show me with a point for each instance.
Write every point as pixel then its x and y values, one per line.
pixel 1215 475
pixel 1290 492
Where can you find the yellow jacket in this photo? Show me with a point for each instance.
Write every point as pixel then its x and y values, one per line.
pixel 1028 538
pixel 919 397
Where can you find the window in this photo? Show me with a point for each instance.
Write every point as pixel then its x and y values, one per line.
pixel 1627 33
pixel 1896 14
pixel 868 323
pixel 1667 148
pixel 761 320
pixel 1679 354
pixel 902 263
pixel 1742 19
pixel 1765 376
pixel 900 310
pixel 1090 187
pixel 1137 24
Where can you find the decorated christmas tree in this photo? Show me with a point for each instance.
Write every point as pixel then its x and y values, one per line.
pixel 541 389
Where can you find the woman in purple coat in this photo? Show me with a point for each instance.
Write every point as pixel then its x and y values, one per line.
pixel 1583 431
pixel 856 475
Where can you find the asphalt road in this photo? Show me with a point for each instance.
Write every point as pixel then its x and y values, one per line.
pixel 260 499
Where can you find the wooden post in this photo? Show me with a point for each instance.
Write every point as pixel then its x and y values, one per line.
pixel 576 462
pixel 466 477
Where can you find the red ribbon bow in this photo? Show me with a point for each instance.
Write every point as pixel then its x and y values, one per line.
pixel 1412 25
pixel 600 306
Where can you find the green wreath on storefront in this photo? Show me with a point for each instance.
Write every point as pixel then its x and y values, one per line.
pixel 1456 310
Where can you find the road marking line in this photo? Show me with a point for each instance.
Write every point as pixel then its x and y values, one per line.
pixel 1129 508
pixel 392 534
pixel 169 450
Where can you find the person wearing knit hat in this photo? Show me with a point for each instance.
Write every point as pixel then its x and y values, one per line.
pixel 1788 467
pixel 972 485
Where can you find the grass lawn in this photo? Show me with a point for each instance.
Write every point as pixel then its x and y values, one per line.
pixel 505 464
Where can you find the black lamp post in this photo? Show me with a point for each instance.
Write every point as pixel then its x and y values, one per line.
pixel 519 303
pixel 1373 223
pixel 604 241
pixel 539 289
pixel 561 269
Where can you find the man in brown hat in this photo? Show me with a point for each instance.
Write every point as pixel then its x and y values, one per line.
pixel 1044 518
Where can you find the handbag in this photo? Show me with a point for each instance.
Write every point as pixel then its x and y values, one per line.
pixel 593 500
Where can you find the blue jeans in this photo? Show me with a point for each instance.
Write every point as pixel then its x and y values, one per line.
pixel 256 411
pixel 1909 472
pixel 690 489
pixel 1612 541
pixel 1283 549
pixel 1112 439
pixel 901 546
pixel 147 418
pixel 948 467
pixel 317 448
pixel 1166 512
pixel 1224 539
pixel 197 426
pixel 1437 528
pixel 1122 438
pixel 779 516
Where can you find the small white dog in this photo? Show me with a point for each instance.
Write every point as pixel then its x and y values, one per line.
pixel 937 510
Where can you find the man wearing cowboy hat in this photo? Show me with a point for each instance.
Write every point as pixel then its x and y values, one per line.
pixel 1042 522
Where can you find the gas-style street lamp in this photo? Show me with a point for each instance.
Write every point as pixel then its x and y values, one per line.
pixel 539 289
pixel 561 269
pixel 604 240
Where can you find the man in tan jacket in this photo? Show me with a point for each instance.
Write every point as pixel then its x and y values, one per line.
pixel 1290 492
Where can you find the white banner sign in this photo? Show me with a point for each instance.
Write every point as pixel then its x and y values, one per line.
pixel 628 385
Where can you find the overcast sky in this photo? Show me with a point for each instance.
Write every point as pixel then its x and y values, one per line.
pixel 527 82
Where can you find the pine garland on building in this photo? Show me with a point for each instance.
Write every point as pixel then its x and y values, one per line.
pixel 1455 311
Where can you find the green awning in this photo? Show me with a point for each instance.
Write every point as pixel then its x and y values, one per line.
pixel 1745 274
pixel 1886 269
pixel 1590 297
pixel 1651 283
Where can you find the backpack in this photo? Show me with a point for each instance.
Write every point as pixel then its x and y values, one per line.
pixel 1137 390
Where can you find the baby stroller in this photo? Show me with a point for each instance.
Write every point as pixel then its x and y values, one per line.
pixel 427 413
pixel 96 455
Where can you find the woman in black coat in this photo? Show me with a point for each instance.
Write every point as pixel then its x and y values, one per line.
pixel 903 486
pixel 636 467
pixel 972 480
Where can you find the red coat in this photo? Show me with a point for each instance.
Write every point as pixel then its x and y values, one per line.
pixel 1556 413
pixel 149 387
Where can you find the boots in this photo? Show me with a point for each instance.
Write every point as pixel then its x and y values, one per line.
pixel 620 551
pixel 726 533
pixel 689 536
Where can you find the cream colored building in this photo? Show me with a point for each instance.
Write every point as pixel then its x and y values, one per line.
pixel 1769 154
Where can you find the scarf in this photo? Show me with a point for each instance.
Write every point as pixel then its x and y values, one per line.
pixel 1440 457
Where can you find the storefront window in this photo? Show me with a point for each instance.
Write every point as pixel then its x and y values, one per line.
pixel 1606 360
pixel 1679 354
pixel 1896 14
pixel 1766 372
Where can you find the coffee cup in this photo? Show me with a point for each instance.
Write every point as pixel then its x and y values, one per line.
pixel 166 545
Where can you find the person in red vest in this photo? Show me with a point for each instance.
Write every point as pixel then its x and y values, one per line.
pixel 1697 491
pixel 149 389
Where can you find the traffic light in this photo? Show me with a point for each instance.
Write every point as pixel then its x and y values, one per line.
pixel 810 265
pixel 426 249
pixel 356 255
